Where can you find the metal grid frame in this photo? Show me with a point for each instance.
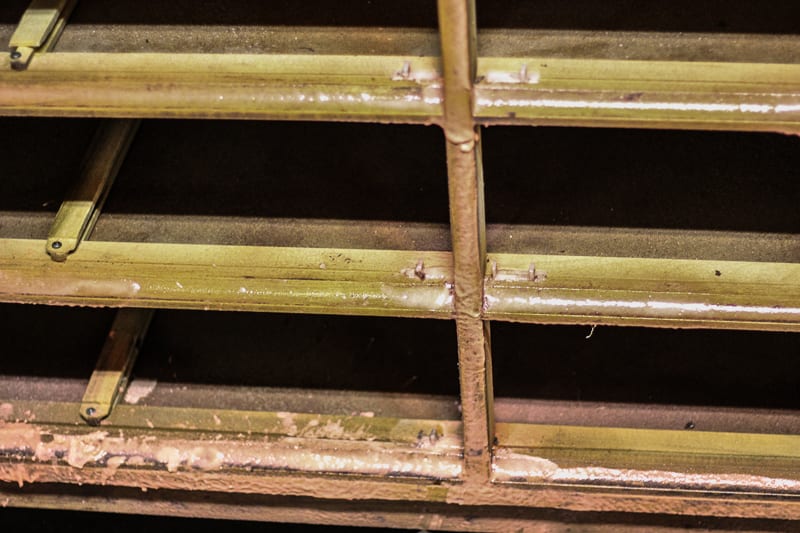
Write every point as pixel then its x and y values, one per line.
pixel 471 464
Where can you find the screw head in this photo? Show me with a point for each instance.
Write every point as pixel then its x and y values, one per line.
pixel 16 55
pixel 56 245
pixel 90 411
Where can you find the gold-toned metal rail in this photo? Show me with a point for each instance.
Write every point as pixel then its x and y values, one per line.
pixel 646 292
pixel 276 86
pixel 517 89
pixel 304 280
pixel 640 94
pixel 368 458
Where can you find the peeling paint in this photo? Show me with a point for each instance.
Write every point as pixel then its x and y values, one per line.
pixel 319 451
pixel 139 389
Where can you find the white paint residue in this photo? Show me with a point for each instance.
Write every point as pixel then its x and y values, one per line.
pixel 634 106
pixel 138 389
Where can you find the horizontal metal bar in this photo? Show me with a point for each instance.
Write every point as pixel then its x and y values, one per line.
pixel 297 87
pixel 625 457
pixel 191 396
pixel 582 92
pixel 637 45
pixel 519 287
pixel 645 292
pixel 651 94
pixel 380 234
pixel 241 231
pixel 650 471
pixel 521 411
pixel 304 280
pixel 407 515
pixel 213 443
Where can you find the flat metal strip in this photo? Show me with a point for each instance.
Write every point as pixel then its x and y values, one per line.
pixel 37 22
pixel 78 214
pixel 39 28
pixel 110 377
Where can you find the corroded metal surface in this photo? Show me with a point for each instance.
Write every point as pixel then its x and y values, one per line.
pixel 467 225
pixel 410 452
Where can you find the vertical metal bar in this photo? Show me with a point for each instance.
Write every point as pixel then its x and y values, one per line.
pixel 467 221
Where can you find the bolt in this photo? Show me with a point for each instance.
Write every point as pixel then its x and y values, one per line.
pixel 16 55
pixel 90 411
pixel 56 245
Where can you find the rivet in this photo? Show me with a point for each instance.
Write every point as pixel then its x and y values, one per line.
pixel 90 411
pixel 16 55
pixel 56 245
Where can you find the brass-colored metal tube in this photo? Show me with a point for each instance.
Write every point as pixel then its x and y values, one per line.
pixel 467 225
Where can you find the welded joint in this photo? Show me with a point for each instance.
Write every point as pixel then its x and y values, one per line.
pixel 522 76
pixel 532 274
pixel 111 375
pixel 79 212
pixel 407 73
pixel 38 24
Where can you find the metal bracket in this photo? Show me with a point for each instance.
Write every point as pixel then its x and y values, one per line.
pixel 79 211
pixel 38 29
pixel 110 376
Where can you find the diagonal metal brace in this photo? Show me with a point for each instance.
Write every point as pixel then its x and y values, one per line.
pixel 110 377
pixel 38 29
pixel 79 211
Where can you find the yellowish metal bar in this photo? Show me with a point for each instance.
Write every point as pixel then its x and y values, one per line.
pixel 33 30
pixel 647 458
pixel 301 280
pixel 274 86
pixel 645 292
pixel 627 93
pixel 467 221
pixel 79 211
pixel 110 376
